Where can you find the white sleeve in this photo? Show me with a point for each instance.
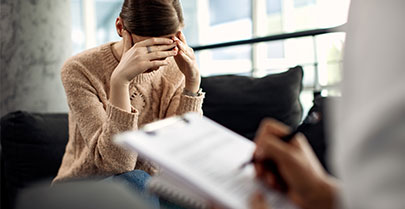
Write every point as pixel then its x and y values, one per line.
pixel 369 139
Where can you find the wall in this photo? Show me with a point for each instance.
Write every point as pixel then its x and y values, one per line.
pixel 35 41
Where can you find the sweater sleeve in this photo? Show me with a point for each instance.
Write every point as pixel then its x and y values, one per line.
pixel 181 103
pixel 96 122
pixel 190 103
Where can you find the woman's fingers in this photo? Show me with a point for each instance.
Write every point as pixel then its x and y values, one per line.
pixel 156 63
pixel 160 55
pixel 165 47
pixel 182 37
pixel 184 48
pixel 185 57
pixel 181 45
pixel 154 41
pixel 154 46
pixel 127 41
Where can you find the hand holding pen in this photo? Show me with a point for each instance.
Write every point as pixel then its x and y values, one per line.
pixel 306 183
pixel 273 130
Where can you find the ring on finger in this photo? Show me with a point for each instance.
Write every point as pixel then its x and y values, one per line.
pixel 148 49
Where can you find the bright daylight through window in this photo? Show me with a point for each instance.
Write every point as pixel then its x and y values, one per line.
pixel 219 21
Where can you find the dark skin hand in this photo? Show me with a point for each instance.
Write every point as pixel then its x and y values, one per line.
pixel 309 186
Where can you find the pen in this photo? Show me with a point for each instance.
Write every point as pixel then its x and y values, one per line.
pixel 270 165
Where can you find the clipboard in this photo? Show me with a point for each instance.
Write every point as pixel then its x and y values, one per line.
pixel 200 160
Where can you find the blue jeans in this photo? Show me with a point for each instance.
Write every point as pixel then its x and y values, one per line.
pixel 136 180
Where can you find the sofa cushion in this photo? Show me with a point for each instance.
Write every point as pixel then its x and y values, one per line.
pixel 317 134
pixel 240 102
pixel 32 149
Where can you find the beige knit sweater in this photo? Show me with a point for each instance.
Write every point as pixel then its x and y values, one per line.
pixel 93 120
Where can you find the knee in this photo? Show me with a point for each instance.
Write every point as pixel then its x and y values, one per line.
pixel 137 178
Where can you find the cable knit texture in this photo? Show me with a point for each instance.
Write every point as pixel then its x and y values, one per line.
pixel 93 120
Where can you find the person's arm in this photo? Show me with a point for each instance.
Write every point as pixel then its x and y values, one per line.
pixel 135 60
pixel 187 97
pixel 187 63
pixel 95 123
pixel 181 103
pixel 98 124
pixel 368 147
pixel 309 186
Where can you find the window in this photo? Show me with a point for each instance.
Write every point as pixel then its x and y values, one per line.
pixel 78 36
pixel 303 3
pixel 221 11
pixel 106 13
pixel 220 22
pixel 273 7
pixel 217 21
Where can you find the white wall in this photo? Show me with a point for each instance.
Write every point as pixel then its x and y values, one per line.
pixel 35 41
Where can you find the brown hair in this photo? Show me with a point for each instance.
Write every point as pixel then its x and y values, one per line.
pixel 152 17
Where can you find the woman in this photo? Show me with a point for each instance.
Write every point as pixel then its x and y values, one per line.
pixel 149 75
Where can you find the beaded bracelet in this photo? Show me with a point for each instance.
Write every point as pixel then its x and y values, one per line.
pixel 191 94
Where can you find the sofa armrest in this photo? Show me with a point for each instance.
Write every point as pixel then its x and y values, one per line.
pixel 33 145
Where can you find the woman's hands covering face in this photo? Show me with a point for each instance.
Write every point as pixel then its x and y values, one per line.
pixel 187 63
pixel 152 53
pixel 142 56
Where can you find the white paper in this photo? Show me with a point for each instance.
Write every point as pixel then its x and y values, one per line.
pixel 205 156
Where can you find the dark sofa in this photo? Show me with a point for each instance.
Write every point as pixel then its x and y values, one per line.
pixel 33 144
pixel 32 148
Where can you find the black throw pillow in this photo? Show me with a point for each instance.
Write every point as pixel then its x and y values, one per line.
pixel 240 102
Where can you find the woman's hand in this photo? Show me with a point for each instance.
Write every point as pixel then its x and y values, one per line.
pixel 187 64
pixel 309 186
pixel 136 59
pixel 142 56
